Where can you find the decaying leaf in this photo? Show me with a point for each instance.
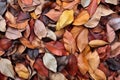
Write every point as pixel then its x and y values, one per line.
pixel 82 39
pixel 2 24
pixel 6 68
pixel 97 43
pixel 110 33
pixel 12 33
pixel 22 71
pixel 101 11
pixel 50 62
pixel 69 42
pixel 65 19
pixel 85 3
pixel 115 2
pixel 82 18
pixel 40 29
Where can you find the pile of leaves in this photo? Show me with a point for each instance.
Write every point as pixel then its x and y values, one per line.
pixel 59 40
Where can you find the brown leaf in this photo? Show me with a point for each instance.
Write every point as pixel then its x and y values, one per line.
pixel 12 33
pixel 39 29
pixel 56 47
pixel 110 33
pixel 69 42
pixel 82 39
pixel 81 18
pixel 27 2
pixel 41 69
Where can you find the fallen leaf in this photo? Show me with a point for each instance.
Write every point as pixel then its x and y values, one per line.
pixel 69 42
pixel 39 29
pixel 22 71
pixel 114 23
pixel 51 34
pixel 56 48
pixel 41 69
pixel 97 43
pixel 85 3
pixel 83 64
pixel 12 33
pixel 81 18
pixel 50 62
pixel 110 33
pixel 6 68
pixel 101 11
pixel 57 76
pixel 54 14
pixel 82 39
pixel 27 2
pixel 3 7
pixel 115 2
pixel 3 24
pixel 65 19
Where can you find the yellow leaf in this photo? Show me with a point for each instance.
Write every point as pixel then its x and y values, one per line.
pixel 82 18
pixel 33 15
pixel 97 43
pixel 65 19
pixel 22 71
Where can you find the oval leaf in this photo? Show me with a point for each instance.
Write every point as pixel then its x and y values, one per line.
pixel 50 62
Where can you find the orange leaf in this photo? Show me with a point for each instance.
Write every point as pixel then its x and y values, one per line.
pixel 92 7
pixel 27 2
pixel 82 18
pixel 69 42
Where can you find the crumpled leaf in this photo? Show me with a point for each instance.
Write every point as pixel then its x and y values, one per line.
pixel 22 71
pixel 54 14
pixel 101 11
pixel 3 7
pixel 65 19
pixel 114 23
pixel 39 66
pixel 69 42
pixel 2 24
pixel 82 39
pixel 115 2
pixel 51 34
pixel 57 76
pixel 82 18
pixel 85 3
pixel 110 33
pixel 6 68
pixel 56 48
pixel 50 62
pixel 97 43
pixel 12 33
pixel 39 29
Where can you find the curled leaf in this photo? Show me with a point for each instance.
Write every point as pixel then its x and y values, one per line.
pixel 50 62
pixel 22 71
pixel 65 19
pixel 82 18
pixel 39 29
pixel 97 43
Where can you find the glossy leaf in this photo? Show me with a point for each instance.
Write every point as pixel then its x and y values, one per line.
pixel 65 19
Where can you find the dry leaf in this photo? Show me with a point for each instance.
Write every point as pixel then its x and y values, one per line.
pixel 82 18
pixel 50 62
pixel 110 33
pixel 97 43
pixel 54 14
pixel 101 11
pixel 2 24
pixel 27 2
pixel 115 2
pixel 69 42
pixel 39 29
pixel 22 71
pixel 114 23
pixel 3 7
pixel 6 68
pixel 83 64
pixel 65 19
pixel 12 33
pixel 82 39
pixel 85 3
